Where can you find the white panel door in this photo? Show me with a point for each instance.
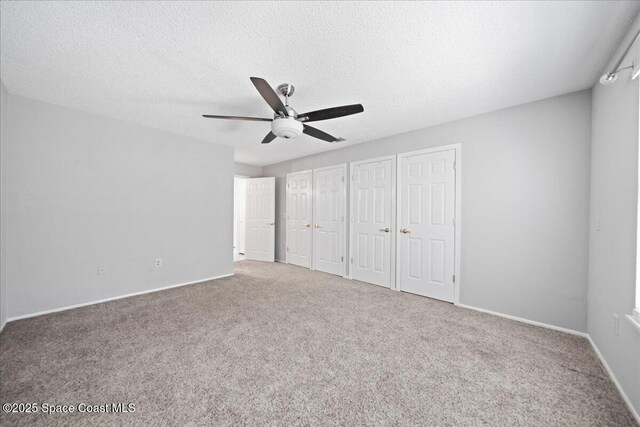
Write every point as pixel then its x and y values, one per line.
pixel 260 219
pixel 426 220
pixel 299 211
pixel 373 206
pixel 239 214
pixel 328 217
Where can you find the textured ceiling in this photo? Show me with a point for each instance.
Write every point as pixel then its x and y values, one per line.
pixel 411 65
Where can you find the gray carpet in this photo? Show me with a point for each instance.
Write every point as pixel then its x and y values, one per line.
pixel 281 345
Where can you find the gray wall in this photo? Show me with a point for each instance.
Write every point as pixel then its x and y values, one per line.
pixel 525 201
pixel 247 170
pixel 4 125
pixel 85 190
pixel 614 201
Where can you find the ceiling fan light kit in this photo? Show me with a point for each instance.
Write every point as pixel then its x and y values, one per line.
pixel 286 127
pixel 286 122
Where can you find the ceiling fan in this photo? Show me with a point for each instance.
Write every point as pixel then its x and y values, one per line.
pixel 286 122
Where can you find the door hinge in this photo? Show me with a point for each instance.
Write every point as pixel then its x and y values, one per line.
pixel 351 260
pixel 287 248
pixel 341 259
pixel 454 222
pixel 454 278
pixel 454 165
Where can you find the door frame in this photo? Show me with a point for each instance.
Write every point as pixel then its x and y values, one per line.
pixel 286 211
pixel 343 166
pixel 458 200
pixel 394 209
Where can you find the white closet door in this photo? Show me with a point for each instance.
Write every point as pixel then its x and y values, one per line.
pixel 372 222
pixel 260 211
pixel 299 211
pixel 328 214
pixel 426 219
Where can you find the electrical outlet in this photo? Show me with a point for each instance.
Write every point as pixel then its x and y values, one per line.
pixel 158 262
pixel 101 270
pixel 616 324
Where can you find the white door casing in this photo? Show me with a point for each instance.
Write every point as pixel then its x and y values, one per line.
pixel 329 219
pixel 372 237
pixel 260 219
pixel 299 218
pixel 426 223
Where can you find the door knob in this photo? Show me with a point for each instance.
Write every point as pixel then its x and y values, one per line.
pixel 307 225
pixel 317 226
pixel 405 231
pixel 270 223
pixel 386 229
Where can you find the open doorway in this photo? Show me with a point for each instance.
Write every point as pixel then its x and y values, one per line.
pixel 239 216
pixel 254 219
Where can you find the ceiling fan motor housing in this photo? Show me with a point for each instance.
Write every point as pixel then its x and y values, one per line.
pixel 286 127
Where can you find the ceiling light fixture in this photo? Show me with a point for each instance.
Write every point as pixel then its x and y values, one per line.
pixel 612 76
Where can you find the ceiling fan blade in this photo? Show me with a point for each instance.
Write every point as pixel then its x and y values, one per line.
pixel 250 119
pixel 317 133
pixel 269 95
pixel 331 113
pixel 270 137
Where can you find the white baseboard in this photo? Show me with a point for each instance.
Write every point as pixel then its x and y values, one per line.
pixel 572 332
pixel 84 304
pixel 615 380
pixel 530 322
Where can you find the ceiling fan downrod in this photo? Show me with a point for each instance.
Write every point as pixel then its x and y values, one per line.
pixel 287 90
